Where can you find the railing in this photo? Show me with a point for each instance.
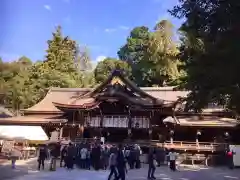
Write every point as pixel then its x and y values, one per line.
pixel 185 145
pixel 80 140
pixel 177 145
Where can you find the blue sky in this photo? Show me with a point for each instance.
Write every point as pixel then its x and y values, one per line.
pixel 102 25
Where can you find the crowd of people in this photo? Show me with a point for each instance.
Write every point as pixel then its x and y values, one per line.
pixel 98 156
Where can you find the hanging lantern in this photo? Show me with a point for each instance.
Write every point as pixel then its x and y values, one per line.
pixel 150 131
pixel 171 132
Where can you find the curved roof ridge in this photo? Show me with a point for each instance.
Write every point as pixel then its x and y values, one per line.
pixel 45 105
pixel 40 105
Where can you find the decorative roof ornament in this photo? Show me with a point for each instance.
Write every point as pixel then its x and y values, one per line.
pixel 116 80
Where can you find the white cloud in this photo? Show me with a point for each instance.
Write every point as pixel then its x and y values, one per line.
pixel 110 30
pixel 47 7
pixel 100 58
pixel 97 60
pixel 124 27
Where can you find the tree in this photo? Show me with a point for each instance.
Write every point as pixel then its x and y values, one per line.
pixel 83 60
pixel 134 52
pixel 105 67
pixel 59 68
pixel 12 77
pixel 84 67
pixel 210 51
pixel 162 53
pixel 61 53
pixel 152 55
pixel 65 65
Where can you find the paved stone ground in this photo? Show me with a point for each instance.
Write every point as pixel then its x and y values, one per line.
pixel 22 168
pixel 162 173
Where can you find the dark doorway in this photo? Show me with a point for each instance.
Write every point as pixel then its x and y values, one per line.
pixel 140 134
pixel 86 133
pixel 115 135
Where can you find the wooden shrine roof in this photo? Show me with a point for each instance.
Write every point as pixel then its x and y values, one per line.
pixel 33 119
pixel 5 113
pixel 61 98
pixel 60 95
pixel 63 95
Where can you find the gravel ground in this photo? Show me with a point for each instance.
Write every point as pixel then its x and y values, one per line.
pixel 22 168
pixel 162 173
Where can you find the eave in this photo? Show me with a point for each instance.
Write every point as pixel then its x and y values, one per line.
pixel 75 107
pixel 30 120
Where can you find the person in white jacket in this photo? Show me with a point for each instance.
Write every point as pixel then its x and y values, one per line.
pixel 172 159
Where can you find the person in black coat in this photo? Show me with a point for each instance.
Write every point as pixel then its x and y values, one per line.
pixel 96 155
pixel 55 151
pixel 71 153
pixel 63 156
pixel 121 163
pixel 42 156
pixel 152 164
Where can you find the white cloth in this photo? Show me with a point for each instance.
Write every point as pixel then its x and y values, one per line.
pixel 127 153
pixel 83 153
pixel 172 156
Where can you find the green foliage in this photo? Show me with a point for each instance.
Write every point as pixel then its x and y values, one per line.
pixel 61 53
pixel 133 52
pixel 209 50
pixel 105 67
pixel 152 55
pixel 25 83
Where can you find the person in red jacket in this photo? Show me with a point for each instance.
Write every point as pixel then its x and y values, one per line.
pixel 230 154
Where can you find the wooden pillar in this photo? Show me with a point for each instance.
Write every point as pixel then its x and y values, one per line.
pixel 101 123
pixel 129 125
pixel 61 132
pixel 80 118
pixel 150 125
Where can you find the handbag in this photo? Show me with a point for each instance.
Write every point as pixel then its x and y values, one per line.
pixel 155 162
